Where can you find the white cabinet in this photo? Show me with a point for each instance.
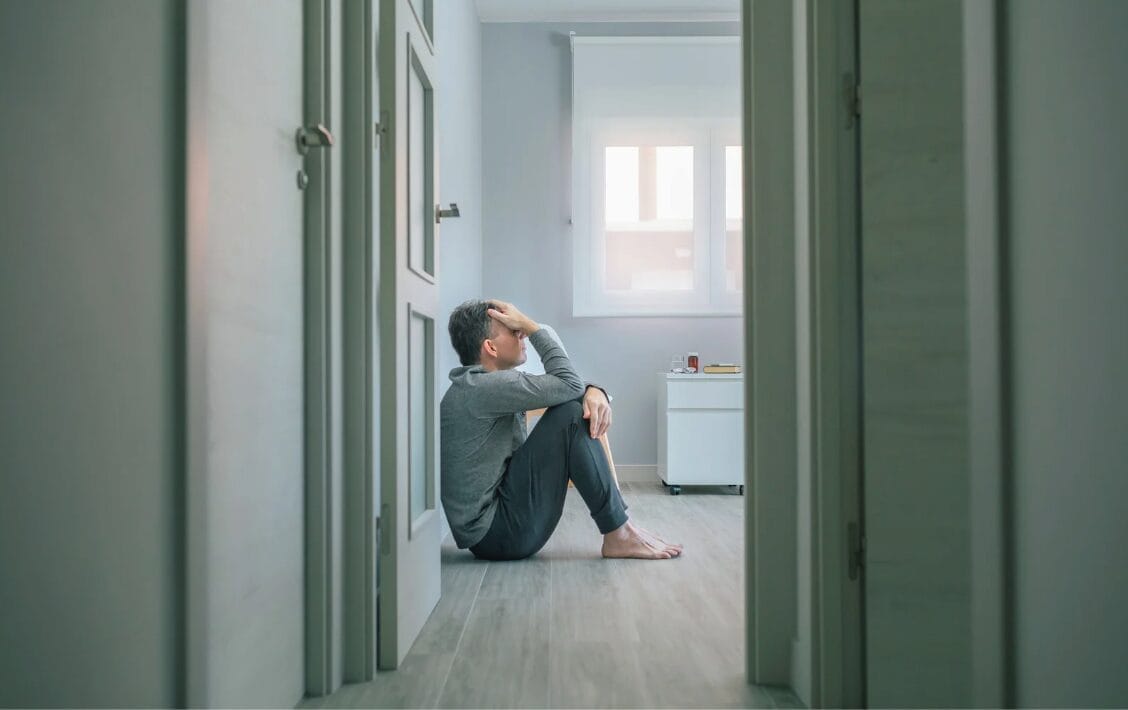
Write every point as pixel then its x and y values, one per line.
pixel 700 430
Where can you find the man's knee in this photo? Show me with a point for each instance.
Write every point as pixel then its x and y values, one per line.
pixel 570 410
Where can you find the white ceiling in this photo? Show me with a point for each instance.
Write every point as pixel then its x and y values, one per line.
pixel 608 10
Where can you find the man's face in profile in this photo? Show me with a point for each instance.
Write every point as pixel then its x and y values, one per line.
pixel 510 346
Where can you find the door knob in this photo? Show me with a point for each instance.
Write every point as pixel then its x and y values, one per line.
pixel 452 212
pixel 313 137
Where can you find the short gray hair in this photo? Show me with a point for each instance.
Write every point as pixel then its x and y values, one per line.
pixel 469 325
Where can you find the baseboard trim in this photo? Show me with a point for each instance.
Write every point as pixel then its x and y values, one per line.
pixel 637 473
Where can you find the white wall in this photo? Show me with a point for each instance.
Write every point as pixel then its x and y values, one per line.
pixel 90 472
pixel 526 239
pixel 246 356
pixel 458 48
pixel 1066 109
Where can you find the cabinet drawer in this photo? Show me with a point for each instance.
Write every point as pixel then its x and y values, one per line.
pixel 706 447
pixel 703 394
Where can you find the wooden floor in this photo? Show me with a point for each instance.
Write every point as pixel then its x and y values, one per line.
pixel 567 628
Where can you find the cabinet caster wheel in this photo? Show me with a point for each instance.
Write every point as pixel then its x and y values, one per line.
pixel 675 490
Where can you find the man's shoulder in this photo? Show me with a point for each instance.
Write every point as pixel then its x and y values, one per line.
pixel 460 377
pixel 478 377
pixel 472 383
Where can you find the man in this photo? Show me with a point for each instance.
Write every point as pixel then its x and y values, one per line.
pixel 503 490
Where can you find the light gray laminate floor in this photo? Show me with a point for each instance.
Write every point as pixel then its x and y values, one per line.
pixel 567 628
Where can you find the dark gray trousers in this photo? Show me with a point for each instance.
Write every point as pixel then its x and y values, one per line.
pixel 531 493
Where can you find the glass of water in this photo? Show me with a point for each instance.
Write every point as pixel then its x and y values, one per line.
pixel 677 363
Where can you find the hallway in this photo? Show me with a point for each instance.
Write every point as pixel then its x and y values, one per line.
pixel 568 629
pixel 224 290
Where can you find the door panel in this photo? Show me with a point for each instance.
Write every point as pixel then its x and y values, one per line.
pixel 408 304
pixel 421 408
pixel 420 123
pixel 914 353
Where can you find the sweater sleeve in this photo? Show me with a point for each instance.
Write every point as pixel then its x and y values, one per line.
pixel 510 391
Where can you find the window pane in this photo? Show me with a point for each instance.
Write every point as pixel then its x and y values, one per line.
pixel 734 220
pixel 673 174
pixel 644 260
pixel 733 183
pixel 648 241
pixel 734 260
pixel 621 185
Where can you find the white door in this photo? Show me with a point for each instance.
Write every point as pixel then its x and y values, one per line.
pixel 408 301
pixel 914 350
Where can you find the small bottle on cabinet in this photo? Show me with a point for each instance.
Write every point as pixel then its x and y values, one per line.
pixel 691 365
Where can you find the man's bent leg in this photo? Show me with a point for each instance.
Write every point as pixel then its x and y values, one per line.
pixel 532 491
pixel 586 463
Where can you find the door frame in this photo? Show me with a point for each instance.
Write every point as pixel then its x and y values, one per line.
pixel 835 655
pixel 837 642
pixel 323 500
pixel 989 416
pixel 837 611
pixel 770 342
pixel 361 351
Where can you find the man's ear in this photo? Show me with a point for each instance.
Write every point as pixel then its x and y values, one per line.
pixel 488 348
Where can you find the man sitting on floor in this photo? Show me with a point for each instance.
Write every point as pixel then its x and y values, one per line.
pixel 503 490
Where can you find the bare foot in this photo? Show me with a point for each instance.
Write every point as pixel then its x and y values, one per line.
pixel 628 542
pixel 652 538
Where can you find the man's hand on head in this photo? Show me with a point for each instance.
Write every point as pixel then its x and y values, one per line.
pixel 509 316
pixel 597 410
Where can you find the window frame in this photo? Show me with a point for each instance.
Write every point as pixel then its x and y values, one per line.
pixel 721 136
pixel 709 297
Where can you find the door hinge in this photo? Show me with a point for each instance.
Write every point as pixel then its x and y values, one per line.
pixel 381 129
pixel 856 550
pixel 852 98
pixel 383 543
pixel 376 537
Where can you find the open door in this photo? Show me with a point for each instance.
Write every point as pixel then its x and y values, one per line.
pixel 408 298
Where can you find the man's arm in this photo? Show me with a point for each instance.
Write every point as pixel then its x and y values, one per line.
pixel 596 400
pixel 509 391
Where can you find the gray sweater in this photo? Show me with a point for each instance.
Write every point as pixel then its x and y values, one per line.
pixel 482 418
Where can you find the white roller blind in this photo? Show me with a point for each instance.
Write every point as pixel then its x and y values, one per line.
pixel 657 110
pixel 657 77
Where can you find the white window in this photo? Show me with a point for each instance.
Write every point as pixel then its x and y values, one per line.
pixel 656 176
